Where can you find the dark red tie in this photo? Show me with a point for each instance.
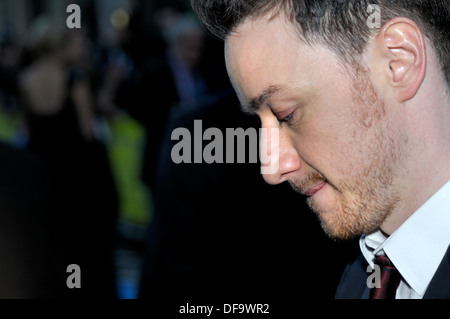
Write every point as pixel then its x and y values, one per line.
pixel 389 279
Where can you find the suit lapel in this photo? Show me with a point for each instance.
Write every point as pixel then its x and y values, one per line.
pixel 353 281
pixel 439 287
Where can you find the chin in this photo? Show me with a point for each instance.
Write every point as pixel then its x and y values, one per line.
pixel 339 232
pixel 343 223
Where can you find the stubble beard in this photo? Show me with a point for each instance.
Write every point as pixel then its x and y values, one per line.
pixel 362 201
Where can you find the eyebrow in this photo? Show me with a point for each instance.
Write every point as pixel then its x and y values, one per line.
pixel 255 104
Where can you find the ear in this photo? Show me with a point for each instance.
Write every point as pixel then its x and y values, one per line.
pixel 403 46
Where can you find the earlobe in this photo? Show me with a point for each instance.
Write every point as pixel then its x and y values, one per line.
pixel 404 46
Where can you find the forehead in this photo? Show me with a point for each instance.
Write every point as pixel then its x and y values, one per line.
pixel 264 52
pixel 257 40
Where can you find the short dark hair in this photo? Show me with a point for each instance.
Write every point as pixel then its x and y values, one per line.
pixel 340 25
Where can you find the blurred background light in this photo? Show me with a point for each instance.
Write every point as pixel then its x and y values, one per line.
pixel 120 19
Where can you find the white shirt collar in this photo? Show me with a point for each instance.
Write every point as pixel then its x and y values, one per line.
pixel 417 247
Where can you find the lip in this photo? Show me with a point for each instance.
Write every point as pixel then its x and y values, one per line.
pixel 315 189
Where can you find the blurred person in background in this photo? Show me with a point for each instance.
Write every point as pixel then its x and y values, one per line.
pixel 55 90
pixel 59 112
pixel 31 260
pixel 163 80
pixel 175 83
pixel 186 41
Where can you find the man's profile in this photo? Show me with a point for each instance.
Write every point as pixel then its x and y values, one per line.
pixel 363 116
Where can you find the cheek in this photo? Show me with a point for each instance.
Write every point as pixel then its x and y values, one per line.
pixel 327 143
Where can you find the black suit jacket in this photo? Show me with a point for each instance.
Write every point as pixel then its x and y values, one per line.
pixel 353 282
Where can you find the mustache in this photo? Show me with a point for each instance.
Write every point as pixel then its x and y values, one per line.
pixel 304 185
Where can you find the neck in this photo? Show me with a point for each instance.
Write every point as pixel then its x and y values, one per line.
pixel 427 167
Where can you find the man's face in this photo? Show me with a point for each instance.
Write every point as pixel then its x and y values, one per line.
pixel 337 142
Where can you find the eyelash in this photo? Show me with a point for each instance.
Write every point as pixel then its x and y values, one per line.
pixel 288 119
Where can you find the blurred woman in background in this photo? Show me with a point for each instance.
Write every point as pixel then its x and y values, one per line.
pixel 59 113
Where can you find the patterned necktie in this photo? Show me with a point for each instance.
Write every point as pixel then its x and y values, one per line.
pixel 389 279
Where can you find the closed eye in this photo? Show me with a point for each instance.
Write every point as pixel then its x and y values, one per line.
pixel 287 119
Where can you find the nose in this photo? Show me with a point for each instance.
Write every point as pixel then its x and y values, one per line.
pixel 284 160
